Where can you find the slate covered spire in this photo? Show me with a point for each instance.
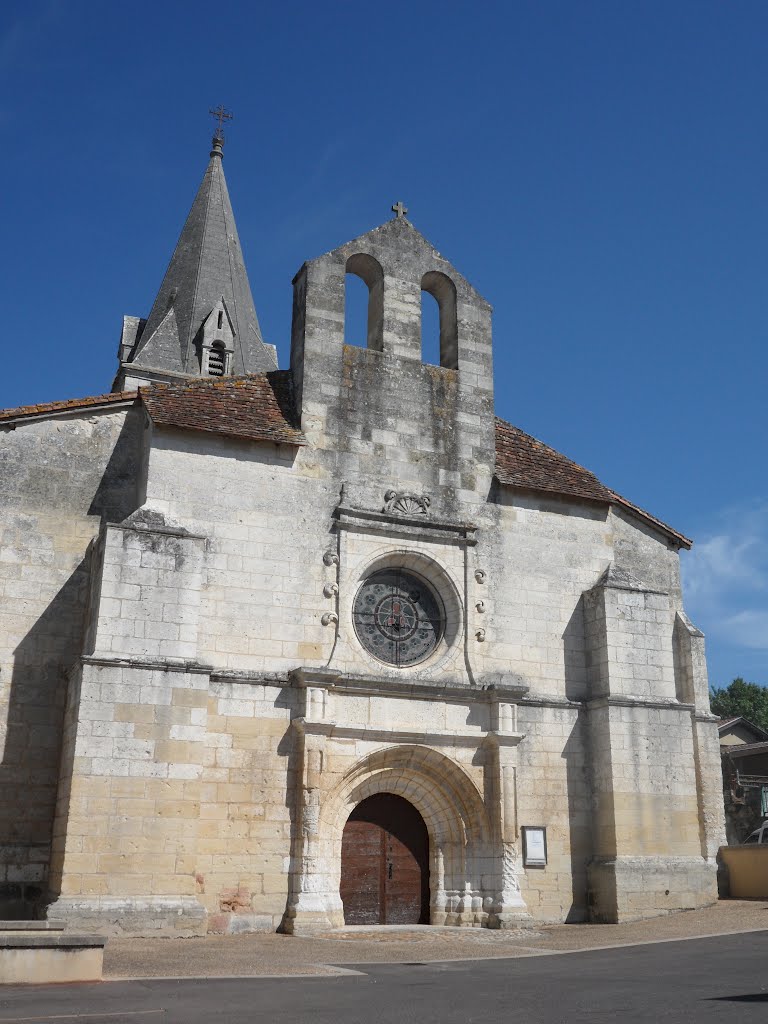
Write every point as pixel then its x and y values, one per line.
pixel 203 320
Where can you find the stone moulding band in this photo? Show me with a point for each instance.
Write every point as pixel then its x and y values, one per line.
pixel 435 737
pixel 160 665
pixel 638 702
pixel 440 530
pixel 384 686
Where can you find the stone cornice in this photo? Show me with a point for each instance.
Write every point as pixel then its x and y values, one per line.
pixel 637 702
pixel 138 662
pixel 426 528
pixel 379 686
pixel 402 734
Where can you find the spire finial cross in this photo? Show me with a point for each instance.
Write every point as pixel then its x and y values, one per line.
pixel 221 116
pixel 399 210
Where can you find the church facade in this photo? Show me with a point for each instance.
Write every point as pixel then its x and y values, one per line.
pixel 289 648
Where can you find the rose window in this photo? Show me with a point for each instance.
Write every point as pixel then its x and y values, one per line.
pixel 398 617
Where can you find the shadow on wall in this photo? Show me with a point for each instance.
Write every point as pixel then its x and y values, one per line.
pixel 118 492
pixel 576 754
pixel 29 770
pixel 574 655
pixel 577 769
pixel 290 747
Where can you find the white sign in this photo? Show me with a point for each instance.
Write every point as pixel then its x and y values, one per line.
pixel 534 847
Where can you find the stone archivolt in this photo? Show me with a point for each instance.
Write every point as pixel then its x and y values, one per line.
pixel 467 879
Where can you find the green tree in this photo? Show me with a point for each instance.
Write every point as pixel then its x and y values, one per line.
pixel 739 698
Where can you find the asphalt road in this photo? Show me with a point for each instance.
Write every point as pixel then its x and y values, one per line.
pixel 701 980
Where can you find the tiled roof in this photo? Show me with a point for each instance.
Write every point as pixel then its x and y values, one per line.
pixel 26 411
pixel 260 407
pixel 256 407
pixel 523 461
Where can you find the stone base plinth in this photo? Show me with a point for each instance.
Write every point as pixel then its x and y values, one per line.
pixel 240 924
pixel 631 888
pixel 312 915
pixel 132 915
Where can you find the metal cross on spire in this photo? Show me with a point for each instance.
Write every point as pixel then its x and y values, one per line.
pixel 399 210
pixel 221 116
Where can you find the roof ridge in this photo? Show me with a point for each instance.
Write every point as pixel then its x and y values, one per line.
pixel 68 403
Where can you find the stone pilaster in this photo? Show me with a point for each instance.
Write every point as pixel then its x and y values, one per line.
pixel 647 854
pixel 510 910
pixel 693 687
pixel 125 836
pixel 312 907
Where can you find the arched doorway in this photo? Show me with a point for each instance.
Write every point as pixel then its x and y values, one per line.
pixel 385 863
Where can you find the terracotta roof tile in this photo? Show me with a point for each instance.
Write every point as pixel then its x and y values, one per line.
pixel 523 461
pixel 71 403
pixel 260 407
pixel 256 407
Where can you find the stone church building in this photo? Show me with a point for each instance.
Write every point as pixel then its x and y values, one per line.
pixel 289 648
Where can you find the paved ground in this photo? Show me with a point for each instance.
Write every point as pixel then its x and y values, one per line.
pixel 701 981
pixel 260 955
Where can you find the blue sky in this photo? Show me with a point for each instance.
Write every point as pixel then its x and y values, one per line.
pixel 599 170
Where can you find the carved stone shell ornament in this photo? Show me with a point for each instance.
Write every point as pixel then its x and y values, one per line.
pixel 405 503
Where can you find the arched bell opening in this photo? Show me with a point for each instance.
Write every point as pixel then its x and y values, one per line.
pixel 443 291
pixel 385 863
pixel 369 271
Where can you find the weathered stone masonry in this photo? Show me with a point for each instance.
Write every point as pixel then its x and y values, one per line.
pixel 191 715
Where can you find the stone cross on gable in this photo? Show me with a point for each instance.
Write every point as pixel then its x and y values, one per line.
pixel 221 116
pixel 399 210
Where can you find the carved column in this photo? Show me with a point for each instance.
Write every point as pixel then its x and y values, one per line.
pixel 313 907
pixel 509 908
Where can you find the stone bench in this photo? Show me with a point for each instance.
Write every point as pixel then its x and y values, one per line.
pixel 39 952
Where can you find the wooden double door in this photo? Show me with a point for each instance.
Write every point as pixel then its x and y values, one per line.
pixel 385 863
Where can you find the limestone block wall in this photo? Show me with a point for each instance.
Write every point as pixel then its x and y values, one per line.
pixel 379 413
pixel 241 569
pixel 126 832
pixel 554 791
pixel 146 582
pixel 247 806
pixel 540 556
pixel 647 818
pixel 60 476
pixel 266 516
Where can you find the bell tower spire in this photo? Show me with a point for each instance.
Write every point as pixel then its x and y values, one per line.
pixel 203 321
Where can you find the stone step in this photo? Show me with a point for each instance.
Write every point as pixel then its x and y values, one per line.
pixel 32 926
